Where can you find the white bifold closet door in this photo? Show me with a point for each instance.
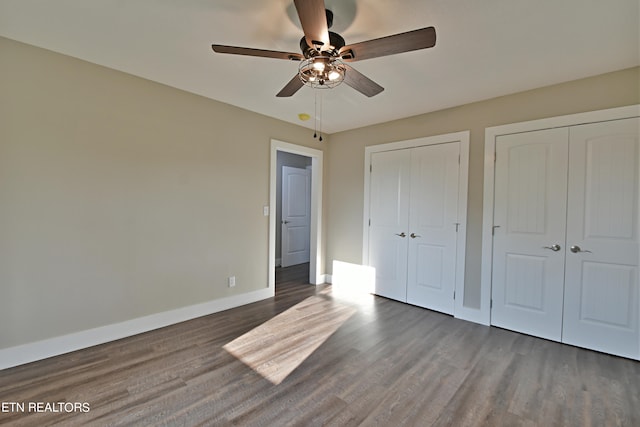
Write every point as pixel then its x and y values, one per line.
pixel 565 262
pixel 389 217
pixel 413 213
pixel 601 280
pixel 528 246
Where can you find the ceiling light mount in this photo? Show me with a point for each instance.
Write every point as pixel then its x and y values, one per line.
pixel 336 42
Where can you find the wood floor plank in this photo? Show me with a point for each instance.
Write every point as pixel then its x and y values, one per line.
pixel 385 364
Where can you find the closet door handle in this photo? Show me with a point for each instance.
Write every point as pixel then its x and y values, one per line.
pixel 414 235
pixel 401 234
pixel 575 249
pixel 554 248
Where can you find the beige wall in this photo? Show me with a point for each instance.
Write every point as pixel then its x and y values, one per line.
pixel 120 197
pixel 346 157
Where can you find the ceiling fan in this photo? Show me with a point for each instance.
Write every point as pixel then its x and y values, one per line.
pixel 324 52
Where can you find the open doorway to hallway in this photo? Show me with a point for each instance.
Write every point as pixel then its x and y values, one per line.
pixel 293 219
pixel 293 209
pixel 315 259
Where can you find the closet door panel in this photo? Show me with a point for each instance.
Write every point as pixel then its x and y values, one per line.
pixel 389 215
pixel 432 226
pixel 601 300
pixel 529 214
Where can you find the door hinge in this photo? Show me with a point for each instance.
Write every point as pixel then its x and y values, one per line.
pixel 457 226
pixel 458 158
pixel 454 295
pixel 370 168
pixel 369 222
pixel 490 303
pixel 495 156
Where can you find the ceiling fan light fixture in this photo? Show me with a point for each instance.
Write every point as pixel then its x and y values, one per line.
pixel 319 65
pixel 334 75
pixel 322 72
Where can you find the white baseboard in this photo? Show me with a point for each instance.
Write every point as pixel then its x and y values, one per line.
pixel 321 279
pixel 39 350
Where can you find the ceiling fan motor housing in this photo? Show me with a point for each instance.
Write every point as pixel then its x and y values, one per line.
pixel 335 40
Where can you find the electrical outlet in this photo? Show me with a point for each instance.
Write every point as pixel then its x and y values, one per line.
pixel 231 281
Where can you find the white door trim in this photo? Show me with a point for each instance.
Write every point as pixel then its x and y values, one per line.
pixel 463 138
pixel 315 242
pixel 491 134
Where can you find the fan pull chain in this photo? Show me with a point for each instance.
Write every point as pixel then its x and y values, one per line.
pixel 320 124
pixel 315 114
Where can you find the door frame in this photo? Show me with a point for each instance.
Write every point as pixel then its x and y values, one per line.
pixel 315 238
pixel 491 134
pixel 463 183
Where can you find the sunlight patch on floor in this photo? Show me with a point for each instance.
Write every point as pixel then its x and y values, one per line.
pixel 277 347
pixel 355 281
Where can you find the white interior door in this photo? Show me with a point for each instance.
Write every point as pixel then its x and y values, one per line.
pixel 433 226
pixel 389 215
pixel 296 215
pixel 529 219
pixel 601 299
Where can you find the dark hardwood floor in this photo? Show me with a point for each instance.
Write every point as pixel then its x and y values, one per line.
pixel 386 364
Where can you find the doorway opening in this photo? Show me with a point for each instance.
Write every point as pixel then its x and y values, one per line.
pixel 293 209
pixel 295 245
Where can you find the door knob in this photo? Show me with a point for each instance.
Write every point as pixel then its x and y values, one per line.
pixel 414 235
pixel 401 234
pixel 575 249
pixel 285 222
pixel 554 248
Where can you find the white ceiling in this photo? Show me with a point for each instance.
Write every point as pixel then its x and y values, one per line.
pixel 484 48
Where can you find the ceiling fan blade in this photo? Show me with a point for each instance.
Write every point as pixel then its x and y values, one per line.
pixel 360 82
pixel 313 18
pixel 256 52
pixel 292 87
pixel 390 45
